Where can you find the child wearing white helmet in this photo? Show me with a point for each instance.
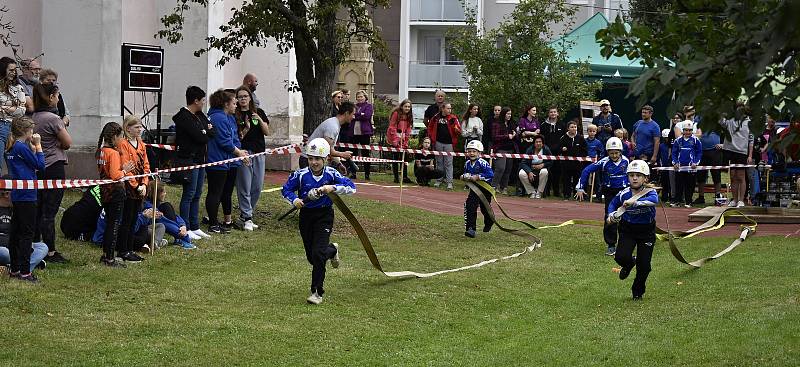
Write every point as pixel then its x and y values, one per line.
pixel 476 169
pixel 613 178
pixel 307 190
pixel 637 226
pixel 686 153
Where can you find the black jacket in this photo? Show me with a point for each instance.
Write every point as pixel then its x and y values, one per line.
pixel 192 134
pixel 552 134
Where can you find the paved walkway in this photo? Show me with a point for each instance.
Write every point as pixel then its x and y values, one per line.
pixel 545 210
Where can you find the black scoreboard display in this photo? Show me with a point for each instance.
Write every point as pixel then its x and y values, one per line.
pixel 142 68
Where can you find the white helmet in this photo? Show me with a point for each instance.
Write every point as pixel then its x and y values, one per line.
pixel 475 144
pixel 318 147
pixel 665 133
pixel 638 166
pixel 613 143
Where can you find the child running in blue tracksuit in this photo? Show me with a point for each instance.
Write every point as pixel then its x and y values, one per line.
pixel 637 226
pixel 686 153
pixel 476 169
pixel 24 157
pixel 613 170
pixel 307 190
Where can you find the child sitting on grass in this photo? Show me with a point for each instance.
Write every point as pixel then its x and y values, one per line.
pixel 637 225
pixel 307 190
pixel 476 169
pixel 174 225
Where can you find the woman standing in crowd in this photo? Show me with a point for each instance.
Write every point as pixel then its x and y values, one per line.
pixel 12 100
pixel 572 145
pixel 225 145
pixel 250 177
pixel 112 196
pixel 400 122
pixel 503 133
pixel 25 157
pixel 738 149
pixel 488 126
pixel 473 125
pixel 55 141
pixel 361 128
pixel 192 133
pixel 132 149
pixel 527 128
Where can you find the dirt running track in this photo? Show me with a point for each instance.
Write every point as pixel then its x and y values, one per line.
pixel 546 210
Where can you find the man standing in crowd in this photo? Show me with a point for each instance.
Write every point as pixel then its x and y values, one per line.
pixel 251 82
pixel 329 129
pixel 553 130
pixel 432 110
pixel 646 137
pixel 30 75
pixel 606 121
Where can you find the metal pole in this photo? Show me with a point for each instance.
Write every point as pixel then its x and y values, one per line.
pixel 155 206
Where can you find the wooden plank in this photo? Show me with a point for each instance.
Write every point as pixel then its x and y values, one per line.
pixel 759 214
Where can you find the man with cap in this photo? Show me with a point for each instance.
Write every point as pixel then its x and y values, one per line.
pixel 606 121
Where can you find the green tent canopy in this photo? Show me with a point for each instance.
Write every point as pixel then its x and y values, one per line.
pixel 582 47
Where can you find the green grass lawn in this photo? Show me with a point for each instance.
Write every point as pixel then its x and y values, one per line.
pixel 240 300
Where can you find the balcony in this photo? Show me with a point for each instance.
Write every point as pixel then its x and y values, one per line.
pixel 448 75
pixel 439 10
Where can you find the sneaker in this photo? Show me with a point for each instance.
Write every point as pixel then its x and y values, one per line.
pixel 538 195
pixel 740 204
pixel 624 272
pixel 407 180
pixel 532 196
pixel 56 258
pixel 144 248
pixel 193 236
pixel 611 251
pixel 314 299
pixel 255 226
pixel 200 233
pixel 637 297
pixel 487 227
pixel 732 204
pixel 41 265
pixel 248 225
pixel 470 233
pixel 335 260
pixel 437 183
pixel 112 263
pixel 185 245
pixel 219 229
pixel 205 220
pixel 450 187
pixel 699 201
pixel 231 225
pixel 687 206
pixel 672 205
pixel 28 278
pixel 131 257
pixel 164 242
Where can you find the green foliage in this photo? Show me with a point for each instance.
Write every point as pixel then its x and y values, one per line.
pixel 712 52
pixel 506 66
pixel 646 12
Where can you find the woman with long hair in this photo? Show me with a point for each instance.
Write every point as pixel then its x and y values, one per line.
pixel 504 131
pixel 401 120
pixel 527 128
pixel 225 145
pixel 473 125
pixel 12 100
pixel 361 129
pixel 250 178
pixel 55 141
pixel 132 149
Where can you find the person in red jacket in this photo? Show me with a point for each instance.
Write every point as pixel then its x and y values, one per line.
pixel 398 133
pixel 444 129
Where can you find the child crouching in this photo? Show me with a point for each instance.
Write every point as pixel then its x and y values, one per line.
pixel 307 190
pixel 637 226
pixel 476 169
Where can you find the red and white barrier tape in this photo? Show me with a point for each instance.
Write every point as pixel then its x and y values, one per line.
pixel 460 154
pixel 360 159
pixel 706 168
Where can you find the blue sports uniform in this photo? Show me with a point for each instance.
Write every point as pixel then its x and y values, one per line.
pixel 613 179
pixel 316 217
pixel 686 152
pixel 483 170
pixel 636 229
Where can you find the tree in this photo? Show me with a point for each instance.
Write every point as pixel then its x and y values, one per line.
pixel 514 65
pixel 711 53
pixel 321 40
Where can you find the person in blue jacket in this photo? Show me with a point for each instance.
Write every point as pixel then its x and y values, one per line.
pixel 307 190
pixel 225 145
pixel 613 178
pixel 637 226
pixel 141 231
pixel 24 157
pixel 476 169
pixel 687 151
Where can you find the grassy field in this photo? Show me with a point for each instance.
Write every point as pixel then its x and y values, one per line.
pixel 240 300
